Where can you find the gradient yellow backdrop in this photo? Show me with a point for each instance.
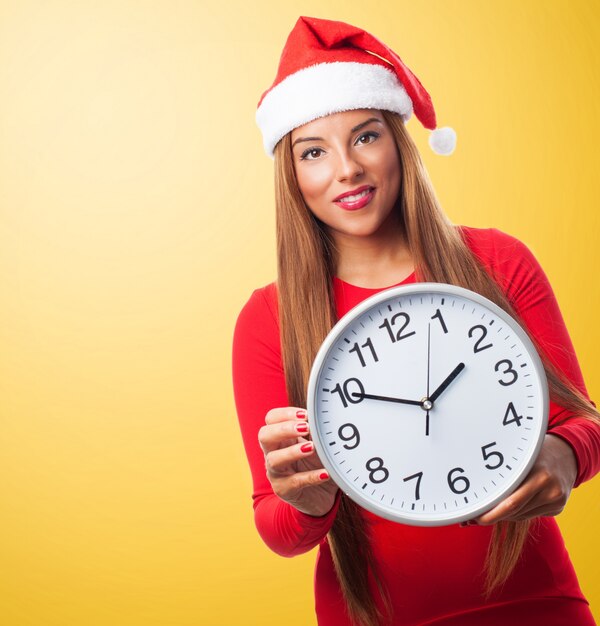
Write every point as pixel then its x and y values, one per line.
pixel 136 217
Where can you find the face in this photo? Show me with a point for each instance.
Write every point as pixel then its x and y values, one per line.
pixel 348 171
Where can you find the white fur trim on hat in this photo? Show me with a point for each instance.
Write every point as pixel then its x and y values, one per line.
pixel 325 88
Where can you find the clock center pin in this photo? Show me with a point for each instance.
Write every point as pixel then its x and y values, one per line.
pixel 426 404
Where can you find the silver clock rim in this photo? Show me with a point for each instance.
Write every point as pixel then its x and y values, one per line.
pixel 357 311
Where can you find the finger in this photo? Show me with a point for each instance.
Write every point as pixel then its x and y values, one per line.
pixel 280 462
pixel 541 511
pixel 511 505
pixel 282 434
pixel 282 414
pixel 287 487
pixel 545 504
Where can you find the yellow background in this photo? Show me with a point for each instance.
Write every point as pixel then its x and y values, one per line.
pixel 136 217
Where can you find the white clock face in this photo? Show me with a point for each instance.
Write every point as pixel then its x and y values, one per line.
pixel 428 404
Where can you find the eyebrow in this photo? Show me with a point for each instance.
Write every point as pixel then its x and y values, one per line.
pixel 356 128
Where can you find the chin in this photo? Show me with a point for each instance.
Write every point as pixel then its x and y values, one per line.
pixel 360 232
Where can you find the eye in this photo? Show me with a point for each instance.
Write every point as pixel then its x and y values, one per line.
pixel 309 151
pixel 371 136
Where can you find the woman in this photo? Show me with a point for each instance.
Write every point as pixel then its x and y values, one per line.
pixel 356 214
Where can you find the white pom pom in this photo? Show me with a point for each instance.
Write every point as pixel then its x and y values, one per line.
pixel 443 140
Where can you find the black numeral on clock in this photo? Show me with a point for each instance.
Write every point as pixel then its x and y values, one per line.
pixel 458 484
pixel 509 370
pixel 375 466
pixel 354 436
pixel 349 396
pixel 493 453
pixel 387 324
pixel 516 419
pixel 438 315
pixel 368 344
pixel 477 347
pixel 418 476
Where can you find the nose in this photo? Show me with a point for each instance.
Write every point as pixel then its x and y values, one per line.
pixel 349 167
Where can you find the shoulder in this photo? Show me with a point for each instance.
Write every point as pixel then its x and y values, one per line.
pixel 491 243
pixel 508 260
pixel 503 254
pixel 257 325
pixel 261 305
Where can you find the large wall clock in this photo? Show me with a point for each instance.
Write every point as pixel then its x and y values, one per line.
pixel 428 404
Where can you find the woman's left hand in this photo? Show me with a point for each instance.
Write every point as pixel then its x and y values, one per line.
pixel 546 489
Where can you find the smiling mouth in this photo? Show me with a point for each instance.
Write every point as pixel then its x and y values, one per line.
pixel 355 197
pixel 357 200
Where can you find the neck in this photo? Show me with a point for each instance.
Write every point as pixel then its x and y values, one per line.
pixel 376 260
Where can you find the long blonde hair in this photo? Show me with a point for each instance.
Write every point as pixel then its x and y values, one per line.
pixel 306 258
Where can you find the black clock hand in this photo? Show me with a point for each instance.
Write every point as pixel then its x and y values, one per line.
pixel 428 358
pixel 385 398
pixel 453 374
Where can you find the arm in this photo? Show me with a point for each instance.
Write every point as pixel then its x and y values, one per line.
pixel 571 451
pixel 259 385
pixel 527 286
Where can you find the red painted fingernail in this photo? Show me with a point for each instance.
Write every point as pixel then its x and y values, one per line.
pixel 302 428
pixel 324 476
pixel 301 415
pixel 307 447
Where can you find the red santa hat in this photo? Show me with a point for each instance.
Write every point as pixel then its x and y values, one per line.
pixel 327 67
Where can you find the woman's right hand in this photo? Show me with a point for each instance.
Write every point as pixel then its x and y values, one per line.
pixel 293 467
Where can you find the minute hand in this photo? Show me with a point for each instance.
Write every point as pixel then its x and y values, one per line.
pixel 453 374
pixel 385 398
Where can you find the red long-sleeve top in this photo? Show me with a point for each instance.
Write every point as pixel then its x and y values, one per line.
pixel 434 574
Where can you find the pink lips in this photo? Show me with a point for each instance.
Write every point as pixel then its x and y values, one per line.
pixel 356 204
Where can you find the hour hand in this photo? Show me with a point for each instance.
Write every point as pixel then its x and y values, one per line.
pixel 453 374
pixel 385 398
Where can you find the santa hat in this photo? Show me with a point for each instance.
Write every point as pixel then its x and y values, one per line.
pixel 327 67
